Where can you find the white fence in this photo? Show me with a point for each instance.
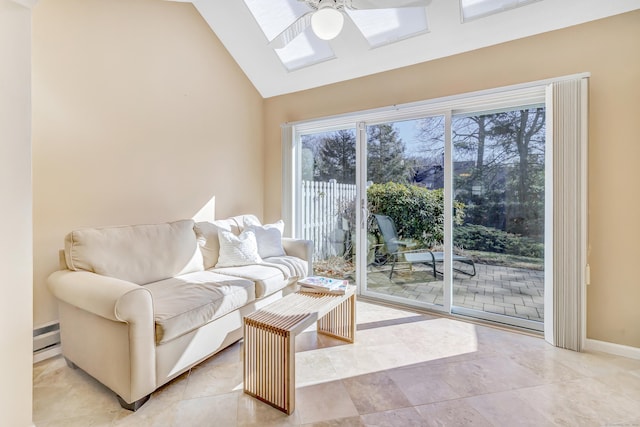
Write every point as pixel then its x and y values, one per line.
pixel 325 206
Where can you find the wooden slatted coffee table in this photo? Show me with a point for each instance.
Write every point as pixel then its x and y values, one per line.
pixel 269 341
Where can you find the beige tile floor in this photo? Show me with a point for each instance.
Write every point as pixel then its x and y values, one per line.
pixel 405 369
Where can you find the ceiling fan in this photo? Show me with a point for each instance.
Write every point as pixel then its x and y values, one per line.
pixel 326 17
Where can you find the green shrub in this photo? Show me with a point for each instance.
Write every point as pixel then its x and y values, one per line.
pixel 417 212
pixel 479 238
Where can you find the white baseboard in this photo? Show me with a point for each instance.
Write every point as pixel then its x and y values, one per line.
pixel 46 341
pixel 611 348
pixel 48 353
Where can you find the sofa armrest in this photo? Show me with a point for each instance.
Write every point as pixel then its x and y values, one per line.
pixel 108 297
pixel 108 329
pixel 300 248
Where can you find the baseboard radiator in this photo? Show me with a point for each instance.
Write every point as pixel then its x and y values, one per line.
pixel 46 341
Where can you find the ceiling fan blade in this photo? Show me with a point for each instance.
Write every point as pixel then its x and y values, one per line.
pixel 384 4
pixel 292 31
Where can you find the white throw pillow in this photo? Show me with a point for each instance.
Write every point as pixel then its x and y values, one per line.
pixel 238 250
pixel 269 238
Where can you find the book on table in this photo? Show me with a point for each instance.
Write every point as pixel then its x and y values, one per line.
pixel 327 285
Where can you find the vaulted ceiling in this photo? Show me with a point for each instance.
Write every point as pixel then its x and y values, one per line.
pixel 435 31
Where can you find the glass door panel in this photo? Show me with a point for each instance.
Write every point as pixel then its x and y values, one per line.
pixel 498 224
pixel 405 202
pixel 327 188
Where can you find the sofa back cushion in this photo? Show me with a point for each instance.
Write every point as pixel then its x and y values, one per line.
pixel 208 239
pixel 137 253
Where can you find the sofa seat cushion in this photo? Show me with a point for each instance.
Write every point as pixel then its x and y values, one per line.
pixel 184 303
pixel 269 276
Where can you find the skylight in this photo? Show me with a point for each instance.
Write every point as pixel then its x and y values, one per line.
pixel 304 50
pixel 378 26
pixel 384 26
pixel 472 9
pixel 274 16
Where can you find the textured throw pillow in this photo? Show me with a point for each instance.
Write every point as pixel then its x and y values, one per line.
pixel 268 237
pixel 237 250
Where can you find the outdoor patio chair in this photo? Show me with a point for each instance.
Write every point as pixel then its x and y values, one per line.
pixel 396 247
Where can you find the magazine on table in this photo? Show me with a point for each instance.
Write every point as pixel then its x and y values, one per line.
pixel 325 285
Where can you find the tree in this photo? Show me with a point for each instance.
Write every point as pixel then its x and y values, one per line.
pixel 522 133
pixel 431 134
pixel 478 171
pixel 498 162
pixel 336 157
pixel 385 155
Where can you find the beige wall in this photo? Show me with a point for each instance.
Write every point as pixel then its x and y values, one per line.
pixel 15 215
pixel 139 115
pixel 610 50
pixel 145 123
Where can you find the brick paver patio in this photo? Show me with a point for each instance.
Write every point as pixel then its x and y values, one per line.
pixel 516 292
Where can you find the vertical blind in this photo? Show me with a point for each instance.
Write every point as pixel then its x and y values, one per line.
pixel 568 128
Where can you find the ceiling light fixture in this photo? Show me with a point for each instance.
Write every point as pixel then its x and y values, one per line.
pixel 327 21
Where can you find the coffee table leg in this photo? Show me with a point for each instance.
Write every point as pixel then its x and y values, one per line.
pixel 269 366
pixel 341 321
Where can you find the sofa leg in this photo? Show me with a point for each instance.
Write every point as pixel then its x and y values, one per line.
pixel 133 406
pixel 70 364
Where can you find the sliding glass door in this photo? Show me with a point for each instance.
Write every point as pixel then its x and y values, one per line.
pixel 327 194
pixel 405 206
pixel 494 266
pixel 439 206
pixel 498 164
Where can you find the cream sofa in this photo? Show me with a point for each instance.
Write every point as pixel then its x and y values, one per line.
pixel 139 305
